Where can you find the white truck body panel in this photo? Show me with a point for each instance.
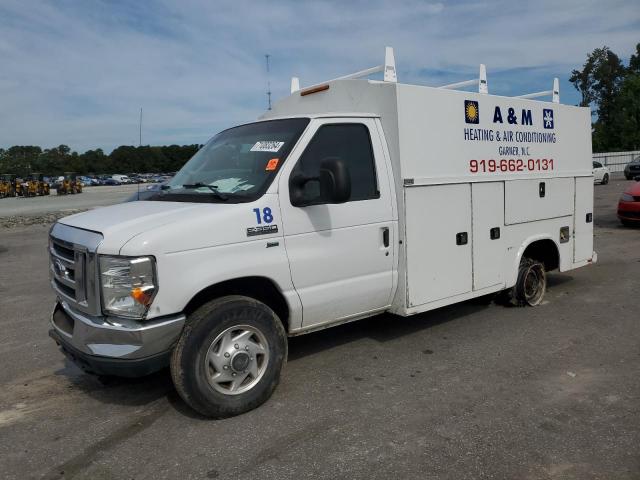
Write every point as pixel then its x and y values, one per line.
pixel 430 249
pixel 432 144
pixel 440 171
pixel 487 200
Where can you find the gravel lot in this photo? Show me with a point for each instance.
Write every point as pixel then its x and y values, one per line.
pixel 17 211
pixel 467 391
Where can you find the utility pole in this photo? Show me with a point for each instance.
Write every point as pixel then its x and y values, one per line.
pixel 140 136
pixel 268 83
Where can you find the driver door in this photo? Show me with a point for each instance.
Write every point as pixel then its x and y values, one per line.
pixel 341 256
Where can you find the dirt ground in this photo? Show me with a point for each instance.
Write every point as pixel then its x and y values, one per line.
pixel 466 391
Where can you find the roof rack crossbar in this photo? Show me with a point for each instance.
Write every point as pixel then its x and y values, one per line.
pixel 554 93
pixel 481 81
pixel 388 68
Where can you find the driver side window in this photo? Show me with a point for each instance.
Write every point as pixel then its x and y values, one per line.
pixel 349 142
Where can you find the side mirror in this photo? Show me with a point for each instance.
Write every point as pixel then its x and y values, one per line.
pixel 334 180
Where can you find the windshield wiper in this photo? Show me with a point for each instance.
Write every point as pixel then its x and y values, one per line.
pixel 216 193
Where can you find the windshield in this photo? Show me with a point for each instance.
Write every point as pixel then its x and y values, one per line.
pixel 237 165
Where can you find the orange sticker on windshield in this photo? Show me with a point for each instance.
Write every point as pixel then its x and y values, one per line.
pixel 272 164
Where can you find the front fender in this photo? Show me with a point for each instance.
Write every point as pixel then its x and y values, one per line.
pixel 183 274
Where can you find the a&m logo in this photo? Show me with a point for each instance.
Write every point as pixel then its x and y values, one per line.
pixel 471 111
pixel 547 118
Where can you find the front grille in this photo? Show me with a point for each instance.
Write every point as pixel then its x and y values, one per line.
pixel 67 269
pixel 72 267
pixel 629 214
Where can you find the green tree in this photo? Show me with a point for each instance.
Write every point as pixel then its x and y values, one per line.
pixel 124 159
pixel 627 121
pixel 601 84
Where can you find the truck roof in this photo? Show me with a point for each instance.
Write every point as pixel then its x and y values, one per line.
pixel 433 133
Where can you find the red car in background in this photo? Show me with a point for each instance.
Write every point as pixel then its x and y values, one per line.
pixel 629 205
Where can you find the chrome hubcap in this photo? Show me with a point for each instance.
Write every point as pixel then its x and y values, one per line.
pixel 237 359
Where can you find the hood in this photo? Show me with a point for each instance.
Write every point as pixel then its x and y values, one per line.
pixel 634 189
pixel 154 227
pixel 132 218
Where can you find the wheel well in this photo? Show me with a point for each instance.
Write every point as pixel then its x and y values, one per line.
pixel 258 288
pixel 544 251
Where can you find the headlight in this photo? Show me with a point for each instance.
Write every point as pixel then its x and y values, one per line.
pixel 128 285
pixel 626 198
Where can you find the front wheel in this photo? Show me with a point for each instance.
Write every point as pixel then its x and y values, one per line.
pixel 229 357
pixel 605 179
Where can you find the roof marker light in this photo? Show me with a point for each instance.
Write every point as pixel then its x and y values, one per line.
pixel 309 91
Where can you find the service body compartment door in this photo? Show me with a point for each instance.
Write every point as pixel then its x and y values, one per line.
pixel 538 199
pixel 583 220
pixel 438 235
pixel 488 234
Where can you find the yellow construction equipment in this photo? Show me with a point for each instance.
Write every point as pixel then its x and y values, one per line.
pixel 70 184
pixel 7 185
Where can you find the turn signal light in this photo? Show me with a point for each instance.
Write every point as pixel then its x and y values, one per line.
pixel 143 295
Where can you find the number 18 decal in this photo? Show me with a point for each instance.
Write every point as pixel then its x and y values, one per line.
pixel 266 216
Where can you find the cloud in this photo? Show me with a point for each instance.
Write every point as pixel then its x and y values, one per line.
pixel 77 72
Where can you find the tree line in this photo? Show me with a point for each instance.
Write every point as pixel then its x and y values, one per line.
pixel 605 83
pixel 612 90
pixel 23 160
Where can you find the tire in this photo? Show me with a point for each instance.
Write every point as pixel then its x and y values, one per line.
pixel 521 294
pixel 605 179
pixel 531 283
pixel 227 325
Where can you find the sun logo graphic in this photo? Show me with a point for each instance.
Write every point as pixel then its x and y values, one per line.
pixel 471 111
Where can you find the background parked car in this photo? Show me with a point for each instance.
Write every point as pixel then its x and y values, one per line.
pixel 601 173
pixel 632 169
pixel 145 192
pixel 629 205
pixel 123 179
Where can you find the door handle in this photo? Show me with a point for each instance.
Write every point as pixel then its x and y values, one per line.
pixel 494 233
pixel 462 238
pixel 385 237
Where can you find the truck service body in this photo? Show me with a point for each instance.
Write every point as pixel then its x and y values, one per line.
pixel 450 195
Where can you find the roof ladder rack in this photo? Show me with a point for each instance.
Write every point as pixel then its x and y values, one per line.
pixel 483 87
pixel 388 68
pixel 555 92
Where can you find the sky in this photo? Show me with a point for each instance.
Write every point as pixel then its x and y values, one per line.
pixel 77 72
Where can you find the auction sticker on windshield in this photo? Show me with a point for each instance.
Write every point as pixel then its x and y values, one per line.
pixel 266 146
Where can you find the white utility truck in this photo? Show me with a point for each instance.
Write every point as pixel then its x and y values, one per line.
pixel 350 198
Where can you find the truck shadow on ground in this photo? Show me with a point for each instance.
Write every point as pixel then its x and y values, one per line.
pixel 137 392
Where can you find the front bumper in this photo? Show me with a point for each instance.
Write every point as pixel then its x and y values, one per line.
pixel 127 349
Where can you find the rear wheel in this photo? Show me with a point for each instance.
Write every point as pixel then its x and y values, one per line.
pixel 605 179
pixel 229 357
pixel 530 286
